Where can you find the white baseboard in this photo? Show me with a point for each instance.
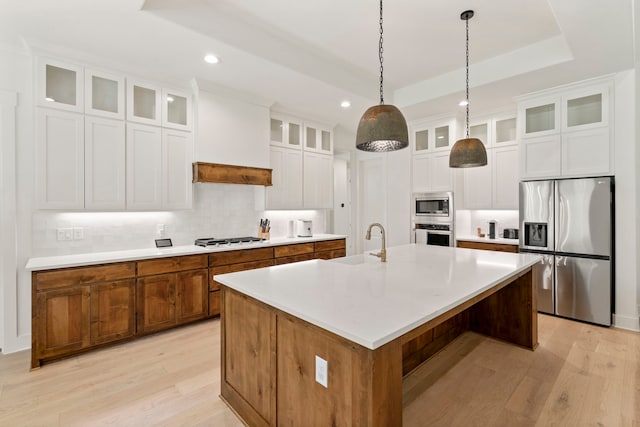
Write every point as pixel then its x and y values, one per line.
pixel 631 323
pixel 16 344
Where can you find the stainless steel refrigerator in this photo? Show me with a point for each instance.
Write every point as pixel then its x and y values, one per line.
pixel 570 223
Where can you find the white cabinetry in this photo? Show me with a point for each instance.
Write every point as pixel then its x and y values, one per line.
pixel 431 142
pixel 566 132
pixel 86 160
pixel 286 191
pixel 59 85
pixel 104 156
pixel 158 168
pixel 301 160
pixel 104 94
pixel 494 186
pixel 431 172
pixel 144 167
pixel 318 181
pixel 60 159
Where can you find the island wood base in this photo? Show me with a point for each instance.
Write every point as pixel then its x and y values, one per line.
pixel 268 358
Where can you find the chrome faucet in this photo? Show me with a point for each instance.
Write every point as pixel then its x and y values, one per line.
pixel 383 253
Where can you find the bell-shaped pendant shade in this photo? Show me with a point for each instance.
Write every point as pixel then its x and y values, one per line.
pixel 382 128
pixel 468 153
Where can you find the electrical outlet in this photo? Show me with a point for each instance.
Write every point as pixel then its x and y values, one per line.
pixel 78 233
pixel 68 234
pixel 59 234
pixel 322 372
pixel 161 230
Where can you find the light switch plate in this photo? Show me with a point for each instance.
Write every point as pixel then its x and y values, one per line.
pixel 322 371
pixel 78 233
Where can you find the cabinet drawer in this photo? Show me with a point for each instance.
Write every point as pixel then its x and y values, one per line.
pixel 294 258
pixel 500 247
pixel 329 245
pixel 232 268
pixel 337 253
pixel 289 250
pixel 81 275
pixel 243 255
pixel 168 265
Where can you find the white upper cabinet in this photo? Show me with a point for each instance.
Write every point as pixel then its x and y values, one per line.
pixel 438 135
pixel 144 103
pixel 176 110
pixel 104 94
pixel 494 186
pixel 104 155
pixel 60 85
pixel 503 130
pixel 59 159
pixel 177 158
pixel 318 181
pixel 286 131
pixel 144 167
pixel 431 172
pixel 286 189
pixel 318 138
pixel 566 131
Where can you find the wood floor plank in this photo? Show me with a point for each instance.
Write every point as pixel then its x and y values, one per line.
pixel 579 375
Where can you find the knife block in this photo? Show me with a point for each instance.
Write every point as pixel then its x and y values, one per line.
pixel 263 234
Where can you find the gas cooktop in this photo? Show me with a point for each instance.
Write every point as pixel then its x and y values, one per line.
pixel 210 241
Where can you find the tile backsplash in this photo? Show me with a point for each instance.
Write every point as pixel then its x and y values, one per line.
pixel 219 210
pixel 467 221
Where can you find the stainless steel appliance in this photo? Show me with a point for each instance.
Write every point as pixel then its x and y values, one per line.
pixel 434 234
pixel 210 241
pixel 433 219
pixel 510 233
pixel 433 205
pixel 570 223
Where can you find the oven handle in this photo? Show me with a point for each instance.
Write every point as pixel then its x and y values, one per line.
pixel 441 232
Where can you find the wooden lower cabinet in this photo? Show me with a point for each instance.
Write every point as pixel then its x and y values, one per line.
pixel 113 311
pixel 156 303
pixel 500 247
pixel 63 321
pixel 192 295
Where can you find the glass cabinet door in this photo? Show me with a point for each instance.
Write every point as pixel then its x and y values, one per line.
pixel 60 85
pixel 277 131
pixel 176 109
pixel 480 131
pixel 326 141
pixel 310 138
pixel 442 136
pixel 294 135
pixel 143 103
pixel 104 94
pixel 504 131
pixel 586 109
pixel 421 140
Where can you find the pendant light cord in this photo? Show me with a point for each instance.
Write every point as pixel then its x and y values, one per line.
pixel 380 56
pixel 467 81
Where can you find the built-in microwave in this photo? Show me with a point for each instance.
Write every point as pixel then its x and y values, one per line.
pixel 433 205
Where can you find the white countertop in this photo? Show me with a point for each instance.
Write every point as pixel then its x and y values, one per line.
pixel 372 303
pixel 499 240
pixel 76 260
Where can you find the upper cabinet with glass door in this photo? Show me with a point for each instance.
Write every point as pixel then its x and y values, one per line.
pixel 104 94
pixel 586 108
pixel 540 116
pixel 176 110
pixel 60 85
pixel 431 136
pixel 318 138
pixel 286 131
pixel 144 103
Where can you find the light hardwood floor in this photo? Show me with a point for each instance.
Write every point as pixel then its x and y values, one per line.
pixel 580 375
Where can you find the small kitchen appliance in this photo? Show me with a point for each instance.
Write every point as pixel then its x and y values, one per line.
pixel 305 228
pixel 510 233
pixel 492 229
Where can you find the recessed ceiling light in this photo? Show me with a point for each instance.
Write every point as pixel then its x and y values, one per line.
pixel 48 98
pixel 170 99
pixel 211 59
pixel 463 103
pixel 345 104
pixel 441 137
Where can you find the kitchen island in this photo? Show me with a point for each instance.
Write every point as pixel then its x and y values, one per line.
pixel 371 322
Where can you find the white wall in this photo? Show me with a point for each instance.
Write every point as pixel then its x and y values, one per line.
pixel 231 131
pixel 626 185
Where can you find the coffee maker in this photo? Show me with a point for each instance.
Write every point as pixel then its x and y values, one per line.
pixel 493 225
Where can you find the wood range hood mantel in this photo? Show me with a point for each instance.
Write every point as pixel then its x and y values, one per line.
pixel 230 174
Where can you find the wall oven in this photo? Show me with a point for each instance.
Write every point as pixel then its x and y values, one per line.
pixel 433 219
pixel 434 234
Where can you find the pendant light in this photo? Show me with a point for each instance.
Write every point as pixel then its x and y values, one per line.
pixel 382 127
pixel 467 152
